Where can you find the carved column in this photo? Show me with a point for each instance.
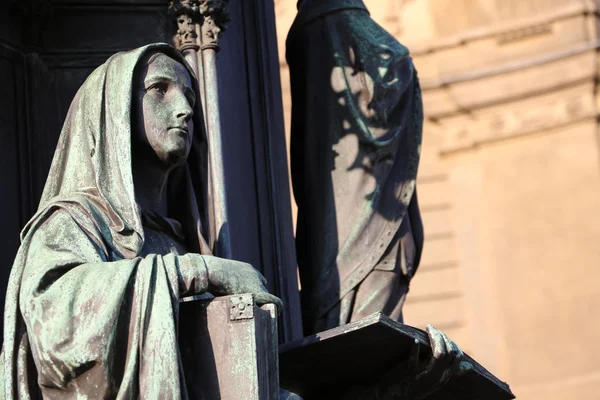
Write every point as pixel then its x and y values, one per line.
pixel 199 25
pixel 213 20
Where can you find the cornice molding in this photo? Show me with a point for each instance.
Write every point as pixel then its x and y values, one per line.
pixel 501 30
pixel 513 65
pixel 541 114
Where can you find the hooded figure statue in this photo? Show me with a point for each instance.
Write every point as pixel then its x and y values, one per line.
pixel 355 146
pixel 121 234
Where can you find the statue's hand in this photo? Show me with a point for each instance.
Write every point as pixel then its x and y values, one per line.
pixel 227 277
pixel 444 363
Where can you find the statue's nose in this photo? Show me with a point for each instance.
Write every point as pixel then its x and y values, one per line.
pixel 185 115
pixel 183 109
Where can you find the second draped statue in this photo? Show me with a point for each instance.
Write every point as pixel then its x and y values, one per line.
pixel 355 146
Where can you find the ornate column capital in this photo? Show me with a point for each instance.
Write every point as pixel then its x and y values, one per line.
pixel 210 15
pixel 214 20
pixel 185 14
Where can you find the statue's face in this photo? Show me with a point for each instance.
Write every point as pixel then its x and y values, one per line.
pixel 165 104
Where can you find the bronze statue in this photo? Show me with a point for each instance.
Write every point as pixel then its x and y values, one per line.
pixel 357 121
pixel 121 234
pixel 355 145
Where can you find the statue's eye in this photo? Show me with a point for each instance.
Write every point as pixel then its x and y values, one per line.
pixel 159 87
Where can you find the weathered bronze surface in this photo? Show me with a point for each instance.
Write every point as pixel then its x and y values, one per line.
pixel 355 145
pixel 120 236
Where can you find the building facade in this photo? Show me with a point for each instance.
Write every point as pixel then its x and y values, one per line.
pixel 509 182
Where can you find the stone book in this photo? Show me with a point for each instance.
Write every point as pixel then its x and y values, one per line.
pixel 229 348
pixel 367 353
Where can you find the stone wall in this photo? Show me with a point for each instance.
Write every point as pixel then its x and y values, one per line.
pixel 509 182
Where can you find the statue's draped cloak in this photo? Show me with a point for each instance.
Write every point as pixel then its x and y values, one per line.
pixel 355 146
pixel 87 316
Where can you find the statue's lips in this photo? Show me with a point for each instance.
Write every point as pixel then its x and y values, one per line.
pixel 179 131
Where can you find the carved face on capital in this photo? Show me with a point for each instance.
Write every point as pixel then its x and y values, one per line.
pixel 164 108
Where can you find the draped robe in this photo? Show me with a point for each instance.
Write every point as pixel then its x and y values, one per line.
pixel 355 147
pixel 91 307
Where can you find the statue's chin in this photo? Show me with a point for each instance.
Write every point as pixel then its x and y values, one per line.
pixel 176 156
